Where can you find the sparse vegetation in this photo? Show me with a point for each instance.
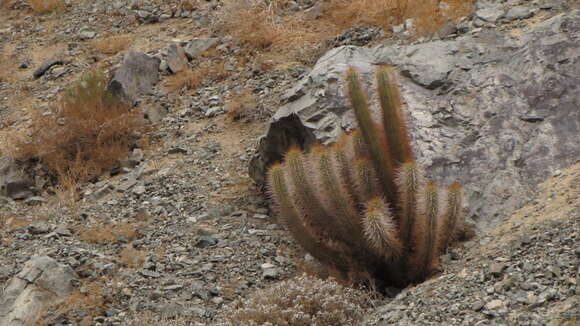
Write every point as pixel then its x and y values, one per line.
pixel 88 132
pixel 208 70
pixel 302 301
pixel 112 45
pixel 151 319
pixel 269 27
pixel 243 106
pixel 46 6
pixel 362 206
pixel 107 233
pixel 131 257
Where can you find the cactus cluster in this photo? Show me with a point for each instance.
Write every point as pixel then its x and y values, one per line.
pixel 362 206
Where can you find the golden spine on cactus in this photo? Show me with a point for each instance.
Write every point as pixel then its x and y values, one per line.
pixel 305 197
pixel 374 140
pixel 364 179
pixel 341 158
pixel 334 197
pixel 394 124
pixel 452 218
pixel 322 249
pixel 408 181
pixel 425 233
pixel 380 230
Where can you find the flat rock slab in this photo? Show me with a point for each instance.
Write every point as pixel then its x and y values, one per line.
pixel 496 111
pixel 42 282
pixel 137 75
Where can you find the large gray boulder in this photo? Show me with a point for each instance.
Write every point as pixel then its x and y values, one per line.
pixel 137 75
pixel 14 182
pixel 497 111
pixel 41 283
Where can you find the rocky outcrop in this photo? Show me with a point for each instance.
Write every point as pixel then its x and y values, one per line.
pixel 14 182
pixel 496 110
pixel 137 75
pixel 42 282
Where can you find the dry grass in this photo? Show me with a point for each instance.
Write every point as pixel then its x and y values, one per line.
pixel 131 257
pixel 112 45
pixel 302 301
pixel 87 133
pixel 90 298
pixel 244 106
pixel 151 319
pixel 268 28
pixel 46 6
pixel 107 233
pixel 209 69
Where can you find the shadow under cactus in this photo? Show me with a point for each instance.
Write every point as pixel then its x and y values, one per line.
pixel 362 206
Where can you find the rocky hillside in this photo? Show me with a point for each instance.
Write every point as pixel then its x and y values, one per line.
pixel 180 228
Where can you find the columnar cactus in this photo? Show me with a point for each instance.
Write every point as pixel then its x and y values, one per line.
pixel 362 206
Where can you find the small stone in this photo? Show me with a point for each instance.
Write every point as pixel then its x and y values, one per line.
pixel 270 274
pixel 518 13
pixel 149 273
pixel 63 230
pixel 496 269
pixel 86 33
pixel 39 228
pixel 557 173
pixel 494 304
pixel 206 241
pixel 139 190
pixel 477 306
pixel 490 15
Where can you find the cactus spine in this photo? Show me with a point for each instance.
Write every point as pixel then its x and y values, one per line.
pixel 363 208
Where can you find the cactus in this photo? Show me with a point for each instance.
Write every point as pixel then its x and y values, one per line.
pixel 361 206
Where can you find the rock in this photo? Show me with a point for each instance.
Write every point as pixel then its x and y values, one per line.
pixel 463 107
pixel 136 157
pixel 15 183
pixel 206 241
pixel 155 113
pixel 101 192
pixel 45 66
pixel 139 190
pixel 42 282
pixel 86 33
pixel 477 306
pixel 39 228
pixel 35 200
pixel 494 305
pixel 198 45
pixel 176 59
pixel 518 13
pixel 491 14
pixel 496 269
pixel 137 75
pixel 149 273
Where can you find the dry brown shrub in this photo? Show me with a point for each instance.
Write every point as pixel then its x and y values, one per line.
pixel 189 4
pixel 45 6
pixel 243 106
pixel 112 45
pixel 106 233
pixel 91 298
pixel 87 133
pixel 301 301
pixel 132 257
pixel 209 69
pixel 267 27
